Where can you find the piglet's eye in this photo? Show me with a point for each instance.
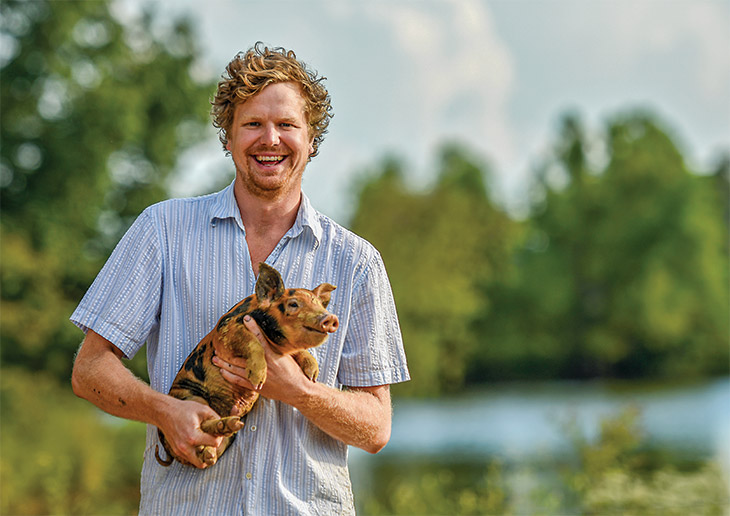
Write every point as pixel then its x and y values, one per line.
pixel 292 304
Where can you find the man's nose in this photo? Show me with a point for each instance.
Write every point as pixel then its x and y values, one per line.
pixel 270 135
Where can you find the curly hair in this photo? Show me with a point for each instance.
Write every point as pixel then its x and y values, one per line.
pixel 250 72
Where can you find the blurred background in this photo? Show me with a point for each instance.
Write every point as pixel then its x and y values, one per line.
pixel 548 184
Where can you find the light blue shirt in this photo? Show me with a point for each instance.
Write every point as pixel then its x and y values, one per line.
pixel 179 268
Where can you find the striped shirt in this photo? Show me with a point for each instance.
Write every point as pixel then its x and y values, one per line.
pixel 183 264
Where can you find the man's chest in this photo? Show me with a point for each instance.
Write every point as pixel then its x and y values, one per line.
pixel 205 277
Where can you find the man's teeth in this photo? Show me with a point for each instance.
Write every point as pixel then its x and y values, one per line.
pixel 269 159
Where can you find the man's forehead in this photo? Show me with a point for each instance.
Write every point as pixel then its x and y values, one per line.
pixel 282 96
pixel 281 90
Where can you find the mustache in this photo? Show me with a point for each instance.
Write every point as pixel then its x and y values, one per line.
pixel 270 149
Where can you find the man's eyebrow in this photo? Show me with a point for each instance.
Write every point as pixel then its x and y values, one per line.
pixel 289 118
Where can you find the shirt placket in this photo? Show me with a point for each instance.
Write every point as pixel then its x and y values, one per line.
pixel 244 443
pixel 254 449
pixel 278 250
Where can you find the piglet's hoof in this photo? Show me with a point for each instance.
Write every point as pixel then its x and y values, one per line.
pixel 223 426
pixel 207 454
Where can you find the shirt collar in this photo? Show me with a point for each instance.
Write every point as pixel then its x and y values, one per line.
pixel 225 207
pixel 307 217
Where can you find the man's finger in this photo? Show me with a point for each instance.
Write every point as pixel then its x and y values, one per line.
pixel 253 327
pixel 189 453
pixel 237 380
pixel 225 366
pixel 234 374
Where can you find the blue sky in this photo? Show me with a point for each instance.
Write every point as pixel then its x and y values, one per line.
pixel 496 76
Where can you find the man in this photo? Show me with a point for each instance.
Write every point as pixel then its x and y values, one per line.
pixel 184 262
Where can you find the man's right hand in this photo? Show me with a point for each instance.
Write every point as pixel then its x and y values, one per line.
pixel 100 377
pixel 181 426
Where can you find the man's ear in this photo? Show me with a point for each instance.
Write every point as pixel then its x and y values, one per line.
pixel 323 292
pixel 269 285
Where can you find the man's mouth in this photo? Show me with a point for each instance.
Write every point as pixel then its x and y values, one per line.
pixel 269 160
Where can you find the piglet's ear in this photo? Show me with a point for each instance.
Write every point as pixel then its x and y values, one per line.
pixel 269 286
pixel 323 292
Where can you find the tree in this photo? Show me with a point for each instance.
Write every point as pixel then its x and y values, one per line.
pixel 624 268
pixel 438 246
pixel 94 115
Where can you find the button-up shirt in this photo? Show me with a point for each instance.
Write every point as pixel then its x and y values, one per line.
pixel 178 269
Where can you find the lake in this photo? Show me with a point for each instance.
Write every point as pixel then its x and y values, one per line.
pixel 518 422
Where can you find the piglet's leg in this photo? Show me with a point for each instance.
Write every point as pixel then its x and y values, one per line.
pixel 223 426
pixel 241 343
pixel 207 454
pixel 308 364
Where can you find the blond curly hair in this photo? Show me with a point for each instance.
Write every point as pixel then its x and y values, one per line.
pixel 250 72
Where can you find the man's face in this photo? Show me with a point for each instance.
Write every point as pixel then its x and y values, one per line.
pixel 269 141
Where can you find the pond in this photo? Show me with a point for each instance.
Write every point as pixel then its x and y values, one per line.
pixel 520 424
pixel 516 421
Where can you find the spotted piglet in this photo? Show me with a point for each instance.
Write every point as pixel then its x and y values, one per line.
pixel 292 320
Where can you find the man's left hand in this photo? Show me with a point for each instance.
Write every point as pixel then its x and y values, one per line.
pixel 284 377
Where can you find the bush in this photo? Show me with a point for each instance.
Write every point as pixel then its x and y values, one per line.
pixel 618 474
pixel 424 487
pixel 60 455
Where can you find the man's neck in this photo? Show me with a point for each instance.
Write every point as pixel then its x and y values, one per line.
pixel 266 220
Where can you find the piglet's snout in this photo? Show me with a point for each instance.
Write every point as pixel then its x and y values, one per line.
pixel 329 323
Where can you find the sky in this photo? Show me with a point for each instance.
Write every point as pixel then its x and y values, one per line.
pixel 494 76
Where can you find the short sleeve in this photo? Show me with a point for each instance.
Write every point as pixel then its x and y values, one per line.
pixel 122 305
pixel 373 349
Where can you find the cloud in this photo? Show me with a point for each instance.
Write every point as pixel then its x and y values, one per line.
pixel 643 29
pixel 455 78
pixel 602 57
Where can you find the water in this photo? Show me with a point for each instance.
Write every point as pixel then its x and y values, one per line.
pixel 520 425
pixel 523 421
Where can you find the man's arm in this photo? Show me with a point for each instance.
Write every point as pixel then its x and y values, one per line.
pixel 359 416
pixel 100 377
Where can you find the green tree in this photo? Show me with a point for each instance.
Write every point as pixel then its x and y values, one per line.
pixel 623 271
pixel 438 246
pixel 94 115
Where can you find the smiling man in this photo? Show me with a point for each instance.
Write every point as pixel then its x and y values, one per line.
pixel 185 262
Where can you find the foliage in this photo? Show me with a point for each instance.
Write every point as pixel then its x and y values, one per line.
pixel 438 247
pixel 624 270
pixel 619 271
pixel 94 115
pixel 615 475
pixel 59 456
pixel 424 487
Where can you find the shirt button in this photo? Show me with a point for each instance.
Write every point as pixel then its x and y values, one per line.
pixel 253 428
pixel 249 476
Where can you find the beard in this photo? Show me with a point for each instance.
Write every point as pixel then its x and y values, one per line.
pixel 269 185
